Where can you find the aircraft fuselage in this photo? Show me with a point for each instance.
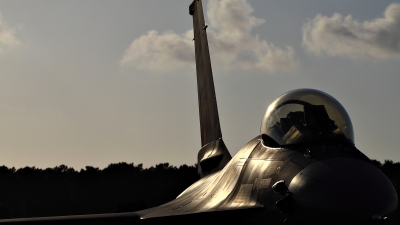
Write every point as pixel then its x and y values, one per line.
pixel 326 181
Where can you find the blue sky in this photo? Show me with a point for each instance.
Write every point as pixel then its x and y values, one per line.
pixel 100 82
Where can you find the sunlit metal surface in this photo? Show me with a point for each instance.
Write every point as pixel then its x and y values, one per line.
pixel 212 157
pixel 323 177
pixel 334 182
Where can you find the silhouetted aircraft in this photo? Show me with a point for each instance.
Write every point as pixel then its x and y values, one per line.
pixel 303 169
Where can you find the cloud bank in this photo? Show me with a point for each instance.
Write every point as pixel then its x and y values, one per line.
pixel 159 52
pixel 7 36
pixel 232 45
pixel 338 35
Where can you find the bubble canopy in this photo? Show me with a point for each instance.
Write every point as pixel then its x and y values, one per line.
pixel 306 116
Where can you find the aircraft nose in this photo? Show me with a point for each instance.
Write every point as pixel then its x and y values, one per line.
pixel 343 190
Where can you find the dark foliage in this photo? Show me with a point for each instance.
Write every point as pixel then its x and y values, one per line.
pixel 32 192
pixel 121 187
pixel 392 171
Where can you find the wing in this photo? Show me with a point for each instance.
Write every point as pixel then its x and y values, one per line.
pixel 132 218
pixel 231 216
pixel 222 195
pixel 111 218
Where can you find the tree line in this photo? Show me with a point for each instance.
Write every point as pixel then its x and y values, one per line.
pixel 120 187
pixel 391 170
pixel 33 192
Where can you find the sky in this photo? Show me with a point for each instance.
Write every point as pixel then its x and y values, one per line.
pixel 94 82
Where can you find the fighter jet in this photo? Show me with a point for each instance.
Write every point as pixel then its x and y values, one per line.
pixel 303 168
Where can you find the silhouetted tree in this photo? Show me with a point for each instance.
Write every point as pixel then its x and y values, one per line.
pixel 30 192
pixel 120 187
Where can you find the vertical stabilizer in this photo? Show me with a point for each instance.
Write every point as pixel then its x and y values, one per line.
pixel 209 120
pixel 213 156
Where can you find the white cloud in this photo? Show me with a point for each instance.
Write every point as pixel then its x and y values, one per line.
pixel 338 35
pixel 155 52
pixel 232 45
pixel 7 36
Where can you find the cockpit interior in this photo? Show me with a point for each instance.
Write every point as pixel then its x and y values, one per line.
pixel 306 116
